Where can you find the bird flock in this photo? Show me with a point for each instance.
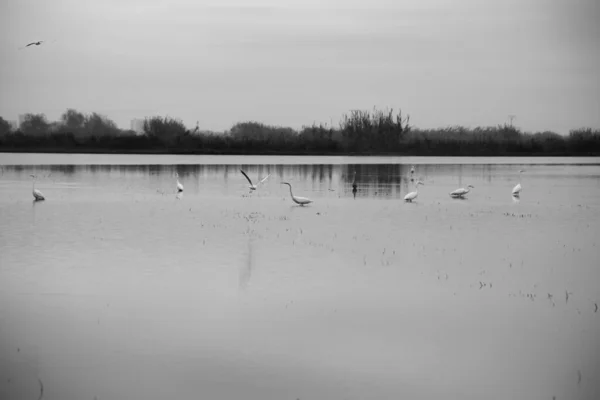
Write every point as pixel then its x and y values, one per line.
pixel 302 201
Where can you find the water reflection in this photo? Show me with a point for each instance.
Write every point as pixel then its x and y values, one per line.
pixel 246 267
pixel 111 237
pixel 340 180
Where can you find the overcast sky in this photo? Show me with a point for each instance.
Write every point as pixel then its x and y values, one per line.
pixel 292 62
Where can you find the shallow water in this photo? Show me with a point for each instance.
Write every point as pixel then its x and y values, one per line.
pixel 114 287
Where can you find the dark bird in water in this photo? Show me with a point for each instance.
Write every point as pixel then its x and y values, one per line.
pixel 35 43
pixel 567 293
pixel 596 307
pixel 354 185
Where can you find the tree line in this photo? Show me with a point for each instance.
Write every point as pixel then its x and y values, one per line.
pixel 361 132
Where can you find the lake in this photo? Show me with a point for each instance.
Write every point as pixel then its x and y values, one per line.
pixel 117 287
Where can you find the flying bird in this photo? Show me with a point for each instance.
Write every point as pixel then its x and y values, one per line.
pixel 298 200
pixel 37 43
pixel 252 186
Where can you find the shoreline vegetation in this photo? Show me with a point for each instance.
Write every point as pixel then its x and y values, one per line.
pixel 366 133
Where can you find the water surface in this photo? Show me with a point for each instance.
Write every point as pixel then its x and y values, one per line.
pixel 116 287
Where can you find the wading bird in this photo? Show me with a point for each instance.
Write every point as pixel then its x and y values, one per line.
pixel 179 185
pixel 413 195
pixel 517 189
pixel 37 195
pixel 298 200
pixel 459 193
pixel 354 185
pixel 252 186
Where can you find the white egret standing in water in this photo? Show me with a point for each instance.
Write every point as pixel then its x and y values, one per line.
pixel 413 195
pixel 459 193
pixel 252 186
pixel 298 200
pixel 517 189
pixel 179 185
pixel 37 195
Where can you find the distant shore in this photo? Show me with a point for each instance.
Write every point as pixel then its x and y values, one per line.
pixel 175 151
pixel 361 133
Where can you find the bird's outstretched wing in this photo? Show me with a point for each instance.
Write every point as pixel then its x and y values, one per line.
pixel 264 179
pixel 246 176
pixel 36 43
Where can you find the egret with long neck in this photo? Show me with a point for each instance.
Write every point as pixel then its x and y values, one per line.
pixel 298 200
pixel 413 195
pixel 37 195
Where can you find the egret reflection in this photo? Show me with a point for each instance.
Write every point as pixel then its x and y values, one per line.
pixel 246 267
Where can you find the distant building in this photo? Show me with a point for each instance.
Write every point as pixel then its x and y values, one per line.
pixel 14 126
pixel 137 125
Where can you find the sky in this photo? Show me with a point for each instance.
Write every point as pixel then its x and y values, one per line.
pixel 295 62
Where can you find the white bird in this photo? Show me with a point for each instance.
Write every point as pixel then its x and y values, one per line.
pixel 517 189
pixel 413 195
pixel 37 195
pixel 354 185
pixel 179 185
pixel 462 191
pixel 252 186
pixel 298 200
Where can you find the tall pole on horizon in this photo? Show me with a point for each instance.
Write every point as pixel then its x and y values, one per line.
pixel 511 119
